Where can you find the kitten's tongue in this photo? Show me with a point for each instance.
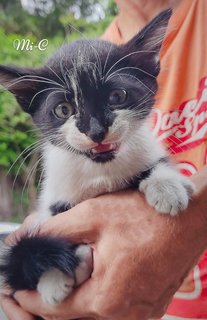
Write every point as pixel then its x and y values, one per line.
pixel 104 152
pixel 104 148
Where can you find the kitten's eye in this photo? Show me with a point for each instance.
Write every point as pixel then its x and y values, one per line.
pixel 63 110
pixel 117 97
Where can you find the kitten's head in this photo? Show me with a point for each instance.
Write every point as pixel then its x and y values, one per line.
pixel 92 95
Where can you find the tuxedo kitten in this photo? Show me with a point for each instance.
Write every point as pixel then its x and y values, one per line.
pixel 91 102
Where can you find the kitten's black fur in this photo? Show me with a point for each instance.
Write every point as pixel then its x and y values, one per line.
pixel 32 256
pixel 26 261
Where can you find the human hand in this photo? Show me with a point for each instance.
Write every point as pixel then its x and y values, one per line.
pixel 140 258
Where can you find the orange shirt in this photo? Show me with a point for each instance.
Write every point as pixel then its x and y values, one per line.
pixel 180 121
pixel 182 97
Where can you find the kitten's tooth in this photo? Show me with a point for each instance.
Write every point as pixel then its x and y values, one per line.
pixel 94 151
pixel 112 146
pixel 116 147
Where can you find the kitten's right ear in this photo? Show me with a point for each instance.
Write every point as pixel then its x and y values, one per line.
pixel 23 83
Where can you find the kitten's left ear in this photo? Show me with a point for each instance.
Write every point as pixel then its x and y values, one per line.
pixel 23 83
pixel 144 48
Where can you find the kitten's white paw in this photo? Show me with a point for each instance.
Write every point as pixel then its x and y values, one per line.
pixel 167 194
pixel 84 269
pixel 54 286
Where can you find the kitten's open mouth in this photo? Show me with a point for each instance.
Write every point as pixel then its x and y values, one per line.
pixel 104 152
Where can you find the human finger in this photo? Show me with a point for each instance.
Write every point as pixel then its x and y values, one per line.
pixel 78 305
pixel 12 310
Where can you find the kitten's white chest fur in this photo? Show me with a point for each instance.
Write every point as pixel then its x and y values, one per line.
pixel 73 178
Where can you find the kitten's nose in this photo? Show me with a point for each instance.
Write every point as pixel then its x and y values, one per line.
pixel 96 132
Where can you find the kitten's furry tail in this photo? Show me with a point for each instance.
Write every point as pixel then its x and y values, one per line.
pixel 23 264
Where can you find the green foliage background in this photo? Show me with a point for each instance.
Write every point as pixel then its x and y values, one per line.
pixel 16 128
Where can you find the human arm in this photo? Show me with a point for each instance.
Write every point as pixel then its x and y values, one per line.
pixel 132 16
pixel 140 257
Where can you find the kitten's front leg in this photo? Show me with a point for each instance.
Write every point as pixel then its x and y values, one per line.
pixel 55 284
pixel 166 189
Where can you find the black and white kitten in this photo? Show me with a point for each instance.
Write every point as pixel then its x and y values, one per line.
pixel 92 102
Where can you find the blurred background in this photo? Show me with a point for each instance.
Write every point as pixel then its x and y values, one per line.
pixel 34 20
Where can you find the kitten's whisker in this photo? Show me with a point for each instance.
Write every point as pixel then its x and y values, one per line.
pixel 170 150
pixel 31 146
pixel 177 138
pixel 63 72
pixel 39 92
pixel 55 74
pixel 132 76
pixel 126 56
pixel 72 75
pixel 177 144
pixel 54 92
pixel 107 58
pixel 97 64
pixel 80 33
pixel 145 99
pixel 133 68
pixel 90 64
pixel 41 177
pixel 63 144
pixel 29 176
pixel 35 130
pixel 136 113
pixel 48 80
pixel 34 147
pixel 92 47
pixel 31 78
pixel 98 61
pixel 69 76
pixel 174 139
pixel 20 167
